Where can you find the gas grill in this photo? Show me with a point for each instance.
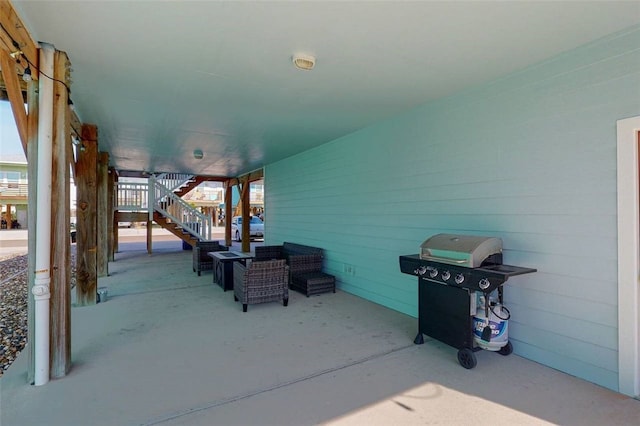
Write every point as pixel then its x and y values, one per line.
pixel 453 270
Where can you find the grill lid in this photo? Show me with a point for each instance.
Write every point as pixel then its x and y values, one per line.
pixel 463 250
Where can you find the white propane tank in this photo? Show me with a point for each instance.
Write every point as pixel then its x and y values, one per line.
pixel 498 322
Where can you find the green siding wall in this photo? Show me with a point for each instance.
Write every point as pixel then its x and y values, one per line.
pixel 530 158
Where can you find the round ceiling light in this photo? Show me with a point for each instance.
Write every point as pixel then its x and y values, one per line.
pixel 304 62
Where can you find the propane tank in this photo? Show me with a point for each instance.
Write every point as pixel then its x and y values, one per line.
pixel 497 321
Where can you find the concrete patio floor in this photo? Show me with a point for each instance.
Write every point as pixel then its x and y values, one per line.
pixel 171 348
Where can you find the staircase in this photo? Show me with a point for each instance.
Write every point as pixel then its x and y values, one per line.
pixel 163 192
pixel 174 228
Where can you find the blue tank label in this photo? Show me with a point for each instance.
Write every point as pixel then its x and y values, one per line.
pixel 497 328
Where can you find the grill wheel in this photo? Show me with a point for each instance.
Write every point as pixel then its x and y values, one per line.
pixel 506 349
pixel 467 358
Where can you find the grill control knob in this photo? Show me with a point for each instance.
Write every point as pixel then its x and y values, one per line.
pixel 459 279
pixel 446 275
pixel 433 272
pixel 484 284
pixel 421 270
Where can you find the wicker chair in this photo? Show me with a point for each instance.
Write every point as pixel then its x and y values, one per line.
pixel 259 282
pixel 201 260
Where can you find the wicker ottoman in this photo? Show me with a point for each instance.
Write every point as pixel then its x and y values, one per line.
pixel 313 283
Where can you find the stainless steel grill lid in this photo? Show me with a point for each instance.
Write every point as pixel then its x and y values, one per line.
pixel 463 250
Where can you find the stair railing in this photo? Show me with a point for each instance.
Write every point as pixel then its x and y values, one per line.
pixel 165 201
pixel 173 181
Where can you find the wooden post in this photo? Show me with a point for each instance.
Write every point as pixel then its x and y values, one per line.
pixel 149 237
pixel 60 302
pixel 114 218
pixel 8 217
pixel 111 185
pixel 115 237
pixel 86 239
pixel 227 212
pixel 32 170
pixel 102 211
pixel 8 66
pixel 244 198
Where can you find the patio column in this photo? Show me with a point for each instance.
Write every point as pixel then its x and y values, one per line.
pixel 86 239
pixel 228 194
pixel 102 214
pixel 246 220
pixel 60 315
pixel 111 195
pixel 8 217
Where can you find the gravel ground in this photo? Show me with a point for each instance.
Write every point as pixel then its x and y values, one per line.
pixel 13 309
pixel 13 306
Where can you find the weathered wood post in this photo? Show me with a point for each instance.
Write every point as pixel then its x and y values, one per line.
pixel 246 219
pixel 102 214
pixel 111 194
pixel 60 301
pixel 86 238
pixel 114 218
pixel 228 212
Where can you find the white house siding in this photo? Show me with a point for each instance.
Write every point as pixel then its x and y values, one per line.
pixel 530 158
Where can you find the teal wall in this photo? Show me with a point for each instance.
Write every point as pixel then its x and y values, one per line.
pixel 530 158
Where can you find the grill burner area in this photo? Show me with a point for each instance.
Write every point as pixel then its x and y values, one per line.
pixel 485 278
pixel 450 270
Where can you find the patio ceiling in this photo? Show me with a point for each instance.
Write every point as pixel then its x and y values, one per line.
pixel 162 79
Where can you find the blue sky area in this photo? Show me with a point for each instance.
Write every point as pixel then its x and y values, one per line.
pixel 10 146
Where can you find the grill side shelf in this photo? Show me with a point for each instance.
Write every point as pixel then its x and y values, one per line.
pixel 410 263
pixel 506 270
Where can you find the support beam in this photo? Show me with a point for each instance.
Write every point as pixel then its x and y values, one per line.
pixel 246 219
pixel 111 186
pixel 114 226
pixel 8 217
pixel 228 199
pixel 149 237
pixel 14 36
pixel 76 124
pixel 86 209
pixel 103 214
pixel 8 66
pixel 114 218
pixel 60 312
pixel 249 177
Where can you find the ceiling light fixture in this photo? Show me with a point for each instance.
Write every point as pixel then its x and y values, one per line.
pixel 198 154
pixel 304 62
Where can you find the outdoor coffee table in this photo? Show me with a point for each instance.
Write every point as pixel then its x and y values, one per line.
pixel 223 266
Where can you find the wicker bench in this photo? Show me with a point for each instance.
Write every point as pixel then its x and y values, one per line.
pixel 305 266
